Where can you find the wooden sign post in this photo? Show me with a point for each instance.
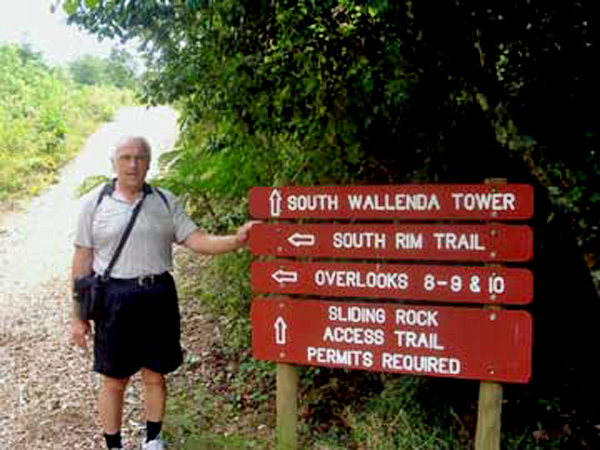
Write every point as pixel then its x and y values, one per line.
pixel 489 412
pixel 452 340
pixel 489 408
pixel 287 406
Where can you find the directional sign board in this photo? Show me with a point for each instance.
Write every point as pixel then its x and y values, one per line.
pixel 422 202
pixel 436 341
pixel 458 284
pixel 451 242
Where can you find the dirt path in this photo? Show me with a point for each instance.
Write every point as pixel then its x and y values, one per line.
pixel 46 388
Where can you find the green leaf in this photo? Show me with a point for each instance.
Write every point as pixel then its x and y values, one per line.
pixel 71 6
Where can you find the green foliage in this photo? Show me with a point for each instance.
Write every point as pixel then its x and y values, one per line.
pixel 118 70
pixel 89 70
pixel 413 417
pixel 398 418
pixel 90 183
pixel 292 88
pixel 121 69
pixel 230 301
pixel 344 91
pixel 43 117
pixel 193 416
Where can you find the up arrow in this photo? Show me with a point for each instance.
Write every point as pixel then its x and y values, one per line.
pixel 280 329
pixel 302 240
pixel 275 203
pixel 281 276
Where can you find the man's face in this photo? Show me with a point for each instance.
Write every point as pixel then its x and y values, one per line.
pixel 131 164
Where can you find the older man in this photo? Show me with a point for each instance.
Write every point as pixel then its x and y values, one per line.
pixel 140 326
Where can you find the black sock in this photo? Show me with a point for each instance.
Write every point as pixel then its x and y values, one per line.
pixel 113 440
pixel 152 430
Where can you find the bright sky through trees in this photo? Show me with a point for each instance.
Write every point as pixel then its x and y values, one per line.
pixel 32 22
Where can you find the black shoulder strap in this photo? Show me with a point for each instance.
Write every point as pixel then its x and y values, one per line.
pixel 109 188
pixel 163 197
pixel 124 237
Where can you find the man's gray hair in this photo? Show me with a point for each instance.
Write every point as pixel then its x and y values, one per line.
pixel 141 141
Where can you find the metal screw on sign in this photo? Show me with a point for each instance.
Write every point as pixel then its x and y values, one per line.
pixel 493 254
pixel 282 355
pixel 494 232
pixel 493 297
pixel 493 316
pixel 494 214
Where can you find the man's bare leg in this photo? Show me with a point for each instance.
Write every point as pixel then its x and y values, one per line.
pixel 110 403
pixel 155 394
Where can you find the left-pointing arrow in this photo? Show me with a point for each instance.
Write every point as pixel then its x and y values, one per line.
pixel 302 240
pixel 282 276
pixel 280 329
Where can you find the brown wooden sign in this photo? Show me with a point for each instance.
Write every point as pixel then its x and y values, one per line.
pixel 411 202
pixel 451 242
pixel 433 340
pixel 455 284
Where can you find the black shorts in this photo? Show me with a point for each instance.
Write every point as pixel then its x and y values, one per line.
pixel 140 328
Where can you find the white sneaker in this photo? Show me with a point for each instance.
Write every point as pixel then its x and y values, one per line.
pixel 155 444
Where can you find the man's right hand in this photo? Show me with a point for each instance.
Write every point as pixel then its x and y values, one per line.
pixel 80 330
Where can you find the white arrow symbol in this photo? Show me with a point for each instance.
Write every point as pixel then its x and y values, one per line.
pixel 280 328
pixel 300 240
pixel 281 276
pixel 275 203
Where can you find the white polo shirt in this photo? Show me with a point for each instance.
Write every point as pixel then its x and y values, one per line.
pixel 148 249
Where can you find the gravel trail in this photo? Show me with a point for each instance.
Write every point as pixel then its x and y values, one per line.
pixel 47 390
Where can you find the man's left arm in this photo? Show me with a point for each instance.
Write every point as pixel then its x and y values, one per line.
pixel 210 244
